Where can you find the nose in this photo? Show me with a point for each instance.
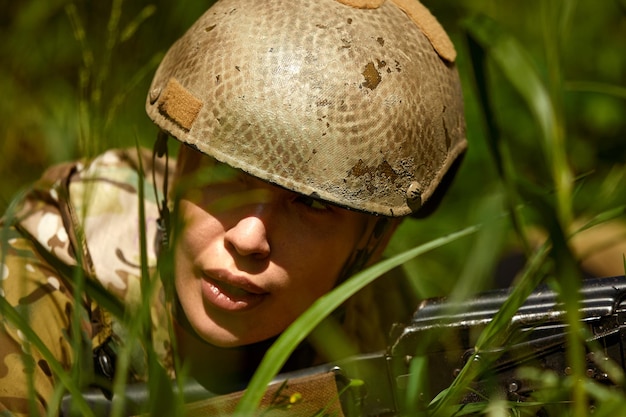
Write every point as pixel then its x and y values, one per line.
pixel 249 236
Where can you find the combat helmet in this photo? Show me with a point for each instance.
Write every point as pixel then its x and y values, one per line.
pixel 355 102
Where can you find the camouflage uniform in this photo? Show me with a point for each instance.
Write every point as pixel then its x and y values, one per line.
pixel 78 214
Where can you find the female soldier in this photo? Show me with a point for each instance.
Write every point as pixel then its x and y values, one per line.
pixel 321 123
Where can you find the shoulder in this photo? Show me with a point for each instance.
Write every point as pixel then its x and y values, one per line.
pixel 114 199
pixel 88 212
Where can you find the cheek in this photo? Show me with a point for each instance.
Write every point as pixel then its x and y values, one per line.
pixel 197 233
pixel 320 260
pixel 196 225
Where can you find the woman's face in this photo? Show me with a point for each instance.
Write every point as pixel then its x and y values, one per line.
pixel 251 256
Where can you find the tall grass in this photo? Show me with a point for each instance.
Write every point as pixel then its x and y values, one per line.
pixel 537 186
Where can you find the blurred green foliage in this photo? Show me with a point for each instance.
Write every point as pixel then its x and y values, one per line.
pixel 58 90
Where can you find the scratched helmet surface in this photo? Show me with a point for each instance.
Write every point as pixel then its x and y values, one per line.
pixel 355 102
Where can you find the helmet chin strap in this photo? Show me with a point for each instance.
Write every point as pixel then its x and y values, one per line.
pixel 163 223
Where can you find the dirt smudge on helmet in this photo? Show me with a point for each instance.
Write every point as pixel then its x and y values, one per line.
pixel 371 75
pixel 372 173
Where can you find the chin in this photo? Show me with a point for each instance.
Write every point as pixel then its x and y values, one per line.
pixel 223 338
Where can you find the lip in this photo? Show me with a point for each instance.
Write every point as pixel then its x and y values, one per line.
pixel 230 292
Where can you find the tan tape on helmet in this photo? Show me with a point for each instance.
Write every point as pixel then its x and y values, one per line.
pixel 430 26
pixel 178 104
pixel 422 17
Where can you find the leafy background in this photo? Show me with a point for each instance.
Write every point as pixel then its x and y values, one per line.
pixel 74 75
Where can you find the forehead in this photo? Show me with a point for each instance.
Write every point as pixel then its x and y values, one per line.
pixel 198 167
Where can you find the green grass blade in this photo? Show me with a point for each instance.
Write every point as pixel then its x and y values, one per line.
pixel 130 29
pixel 517 66
pixel 493 137
pixel 597 87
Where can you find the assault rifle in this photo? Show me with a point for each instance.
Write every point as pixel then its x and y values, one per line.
pixel 436 344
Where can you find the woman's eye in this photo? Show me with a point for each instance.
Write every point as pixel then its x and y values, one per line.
pixel 312 203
